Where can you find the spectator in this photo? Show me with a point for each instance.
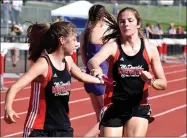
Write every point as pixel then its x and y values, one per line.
pixel 158 29
pixel 5 9
pixel 16 9
pixel 148 31
pixel 16 30
pixel 172 29
pixel 115 8
pixel 180 30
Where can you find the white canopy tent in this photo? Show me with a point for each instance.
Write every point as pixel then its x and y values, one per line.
pixel 77 9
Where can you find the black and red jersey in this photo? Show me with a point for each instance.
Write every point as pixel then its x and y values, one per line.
pixel 48 107
pixel 124 69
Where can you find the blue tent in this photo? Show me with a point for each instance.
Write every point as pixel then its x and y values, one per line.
pixel 76 12
pixel 79 22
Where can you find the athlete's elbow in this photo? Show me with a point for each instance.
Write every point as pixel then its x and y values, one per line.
pixel 160 84
pixel 164 85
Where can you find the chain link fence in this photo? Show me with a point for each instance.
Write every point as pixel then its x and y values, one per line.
pixel 149 13
pixel 28 13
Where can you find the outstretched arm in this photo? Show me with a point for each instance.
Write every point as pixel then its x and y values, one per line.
pixel 39 68
pixel 106 51
pixel 81 76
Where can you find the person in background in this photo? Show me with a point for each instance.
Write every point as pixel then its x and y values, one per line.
pixel 16 10
pixel 51 47
pixel 158 29
pixel 5 11
pixel 148 31
pixel 127 112
pixel 90 44
pixel 16 31
pixel 115 8
pixel 172 29
pixel 180 30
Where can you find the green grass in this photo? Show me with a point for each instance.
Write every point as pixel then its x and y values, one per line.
pixel 154 14
pixel 149 14
pixel 49 5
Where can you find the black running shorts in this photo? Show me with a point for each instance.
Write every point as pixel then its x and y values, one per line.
pixel 117 115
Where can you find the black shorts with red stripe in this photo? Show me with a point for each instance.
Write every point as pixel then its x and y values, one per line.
pixel 116 116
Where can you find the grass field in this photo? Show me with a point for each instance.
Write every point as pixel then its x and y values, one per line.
pixel 150 14
pixel 153 14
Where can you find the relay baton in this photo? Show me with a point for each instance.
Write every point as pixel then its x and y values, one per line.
pixel 108 81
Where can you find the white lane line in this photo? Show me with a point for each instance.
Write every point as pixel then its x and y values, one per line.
pixel 93 113
pixel 80 100
pixel 171 66
pixel 72 90
pixel 184 135
pixel 151 98
pixel 19 99
pixel 76 89
pixel 166 94
pixel 184 78
pixel 172 72
pixel 170 110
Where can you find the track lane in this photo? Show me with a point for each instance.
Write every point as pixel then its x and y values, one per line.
pixel 88 109
pixel 171 125
pixel 92 117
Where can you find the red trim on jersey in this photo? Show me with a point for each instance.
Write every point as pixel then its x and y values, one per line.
pixel 48 77
pixel 40 118
pixel 145 55
pixel 146 86
pixel 29 110
pixel 109 89
pixel 37 106
pixel 49 73
pixel 33 108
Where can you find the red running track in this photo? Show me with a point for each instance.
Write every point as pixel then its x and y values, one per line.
pixel 169 107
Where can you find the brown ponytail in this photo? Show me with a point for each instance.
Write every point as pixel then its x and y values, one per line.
pixel 45 37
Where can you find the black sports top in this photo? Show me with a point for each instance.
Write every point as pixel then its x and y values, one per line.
pixel 130 88
pixel 49 109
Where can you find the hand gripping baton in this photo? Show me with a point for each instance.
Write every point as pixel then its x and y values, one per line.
pixel 107 80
